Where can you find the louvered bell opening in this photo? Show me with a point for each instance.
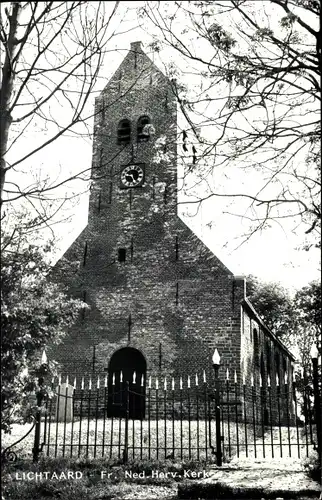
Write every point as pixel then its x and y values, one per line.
pixel 142 134
pixel 124 132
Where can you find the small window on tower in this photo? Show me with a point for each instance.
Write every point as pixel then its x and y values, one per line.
pixel 143 132
pixel 121 254
pixel 124 132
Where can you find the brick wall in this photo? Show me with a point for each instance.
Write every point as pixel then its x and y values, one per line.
pixel 171 298
pixel 265 359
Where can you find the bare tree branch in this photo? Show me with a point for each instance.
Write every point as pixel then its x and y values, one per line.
pixel 255 106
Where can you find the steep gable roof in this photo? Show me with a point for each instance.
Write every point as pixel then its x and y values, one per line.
pixel 135 71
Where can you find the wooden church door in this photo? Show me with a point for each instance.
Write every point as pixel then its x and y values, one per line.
pixel 126 365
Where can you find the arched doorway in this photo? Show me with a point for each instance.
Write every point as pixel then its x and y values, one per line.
pixel 122 366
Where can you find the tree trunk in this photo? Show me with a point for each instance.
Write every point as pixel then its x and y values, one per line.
pixel 7 88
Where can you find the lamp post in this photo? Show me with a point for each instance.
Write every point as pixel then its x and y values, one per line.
pixel 39 398
pixel 216 364
pixel 317 401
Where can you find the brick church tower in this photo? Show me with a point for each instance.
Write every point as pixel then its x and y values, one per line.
pixel 160 300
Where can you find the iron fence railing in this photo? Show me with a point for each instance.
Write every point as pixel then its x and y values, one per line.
pixel 178 419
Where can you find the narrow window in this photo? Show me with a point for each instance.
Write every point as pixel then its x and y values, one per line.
pixel 84 300
pixel 143 134
pixel 285 377
pixel 293 383
pixel 256 347
pixel 268 358
pixel 277 364
pixel 263 370
pixel 121 254
pixel 99 201
pixel 103 110
pixel 177 248
pixel 94 357
pixel 160 356
pixel 279 382
pixel 110 189
pixel 85 254
pixel 124 132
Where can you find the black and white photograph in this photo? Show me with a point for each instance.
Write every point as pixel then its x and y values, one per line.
pixel 161 250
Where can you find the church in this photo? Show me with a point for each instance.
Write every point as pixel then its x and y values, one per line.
pixel 160 302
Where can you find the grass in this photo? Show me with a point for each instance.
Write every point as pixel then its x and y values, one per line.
pixel 85 489
pixel 91 484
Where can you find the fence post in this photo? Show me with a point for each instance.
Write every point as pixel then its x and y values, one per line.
pixel 36 448
pixel 127 413
pixel 216 364
pixel 317 403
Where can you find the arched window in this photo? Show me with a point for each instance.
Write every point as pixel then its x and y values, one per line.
pixel 284 372
pixel 263 369
pixel 256 347
pixel 124 132
pixel 268 357
pixel 277 363
pixel 143 134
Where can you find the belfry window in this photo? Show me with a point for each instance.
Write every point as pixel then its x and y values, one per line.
pixel 143 134
pixel 124 132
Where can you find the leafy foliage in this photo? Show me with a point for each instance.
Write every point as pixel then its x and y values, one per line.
pixel 296 320
pixel 274 305
pixel 34 313
pixel 307 303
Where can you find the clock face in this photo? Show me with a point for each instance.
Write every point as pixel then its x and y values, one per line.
pixel 132 176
